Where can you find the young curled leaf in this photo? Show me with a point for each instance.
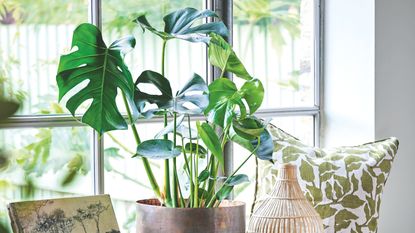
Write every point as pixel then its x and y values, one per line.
pixel 191 148
pixel 204 175
pixel 237 179
pixel 211 140
pixel 222 56
pixel 224 192
pixel 202 193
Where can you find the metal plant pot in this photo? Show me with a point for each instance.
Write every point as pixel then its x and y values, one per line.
pixel 153 218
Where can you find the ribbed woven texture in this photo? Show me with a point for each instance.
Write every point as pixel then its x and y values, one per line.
pixel 285 209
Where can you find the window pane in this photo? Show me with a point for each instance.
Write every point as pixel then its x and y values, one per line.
pixel 32 36
pixel 44 163
pixel 275 40
pixel 125 178
pixel 182 58
pixel 300 127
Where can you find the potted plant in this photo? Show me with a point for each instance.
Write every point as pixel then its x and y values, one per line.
pixel 228 111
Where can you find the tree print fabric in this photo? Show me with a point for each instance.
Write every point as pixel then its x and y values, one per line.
pixel 343 184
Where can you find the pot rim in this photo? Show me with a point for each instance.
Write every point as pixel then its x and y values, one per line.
pixel 151 202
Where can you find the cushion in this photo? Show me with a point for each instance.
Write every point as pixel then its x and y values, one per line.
pixel 344 184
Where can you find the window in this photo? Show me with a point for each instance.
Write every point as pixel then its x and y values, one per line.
pixel 51 154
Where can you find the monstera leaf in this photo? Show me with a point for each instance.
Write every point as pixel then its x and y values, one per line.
pixel 180 24
pixel 249 128
pixel 191 99
pixel 224 98
pixel 246 134
pixel 222 56
pixel 142 97
pixel 104 71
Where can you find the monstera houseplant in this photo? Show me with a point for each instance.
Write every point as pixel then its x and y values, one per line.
pixel 228 111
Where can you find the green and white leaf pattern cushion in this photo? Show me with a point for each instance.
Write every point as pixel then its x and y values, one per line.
pixel 344 184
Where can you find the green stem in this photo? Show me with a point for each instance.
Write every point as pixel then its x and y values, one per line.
pixel 167 191
pixel 181 198
pixel 191 198
pixel 146 164
pixel 256 186
pixel 224 137
pixel 191 164
pixel 196 186
pixel 124 176
pixel 186 161
pixel 212 172
pixel 120 144
pixel 167 183
pixel 163 56
pixel 214 166
pixel 126 149
pixel 212 200
pixel 204 183
pixel 175 195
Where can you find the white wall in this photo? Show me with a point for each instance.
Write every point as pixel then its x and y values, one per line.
pixel 348 104
pixel 369 91
pixel 395 108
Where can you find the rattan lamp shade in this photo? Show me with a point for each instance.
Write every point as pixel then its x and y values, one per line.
pixel 285 209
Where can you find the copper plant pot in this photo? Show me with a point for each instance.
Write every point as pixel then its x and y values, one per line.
pixel 153 218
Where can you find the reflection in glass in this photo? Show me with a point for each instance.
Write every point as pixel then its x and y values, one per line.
pixel 44 163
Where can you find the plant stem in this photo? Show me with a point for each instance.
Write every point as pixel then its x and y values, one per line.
pixel 146 164
pixel 175 195
pixel 124 176
pixel 212 200
pixel 120 144
pixel 256 186
pixel 166 162
pixel 126 149
pixel 167 183
pixel 191 198
pixel 163 56
pixel 196 186
pixel 191 164
pixel 186 161
pixel 181 198
pixel 212 172
pixel 214 166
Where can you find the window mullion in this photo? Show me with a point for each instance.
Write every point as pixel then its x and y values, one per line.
pixel 95 17
pixel 318 66
pixel 224 9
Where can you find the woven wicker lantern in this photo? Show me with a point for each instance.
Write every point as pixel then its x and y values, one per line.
pixel 285 209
